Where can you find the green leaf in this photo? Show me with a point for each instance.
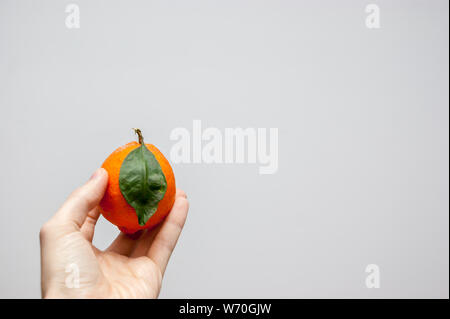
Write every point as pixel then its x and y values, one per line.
pixel 142 182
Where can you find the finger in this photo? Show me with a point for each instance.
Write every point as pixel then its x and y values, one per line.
pixel 181 193
pixel 124 243
pixel 84 199
pixel 166 239
pixel 145 241
pixel 88 227
pixel 143 244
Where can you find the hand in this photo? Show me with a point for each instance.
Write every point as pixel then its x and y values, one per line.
pixel 131 267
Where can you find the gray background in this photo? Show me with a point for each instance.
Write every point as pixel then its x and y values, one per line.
pixel 363 137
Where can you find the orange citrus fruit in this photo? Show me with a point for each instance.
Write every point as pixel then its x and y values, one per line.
pixel 141 187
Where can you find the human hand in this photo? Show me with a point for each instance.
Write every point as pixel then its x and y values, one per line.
pixel 131 267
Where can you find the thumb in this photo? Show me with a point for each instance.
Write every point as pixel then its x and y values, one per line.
pixel 84 199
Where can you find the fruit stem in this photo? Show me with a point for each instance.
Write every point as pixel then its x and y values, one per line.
pixel 139 134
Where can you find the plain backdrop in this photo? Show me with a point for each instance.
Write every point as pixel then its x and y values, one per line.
pixel 363 119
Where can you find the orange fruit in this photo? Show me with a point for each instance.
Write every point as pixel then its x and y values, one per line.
pixel 141 187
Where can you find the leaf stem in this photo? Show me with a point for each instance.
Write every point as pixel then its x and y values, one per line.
pixel 139 134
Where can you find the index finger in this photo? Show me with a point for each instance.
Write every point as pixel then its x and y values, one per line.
pixel 165 240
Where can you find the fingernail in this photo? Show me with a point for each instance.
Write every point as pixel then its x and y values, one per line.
pixel 96 174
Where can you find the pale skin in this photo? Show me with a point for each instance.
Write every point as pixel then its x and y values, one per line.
pixel 131 267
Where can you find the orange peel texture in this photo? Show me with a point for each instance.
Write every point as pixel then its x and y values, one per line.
pixel 114 206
